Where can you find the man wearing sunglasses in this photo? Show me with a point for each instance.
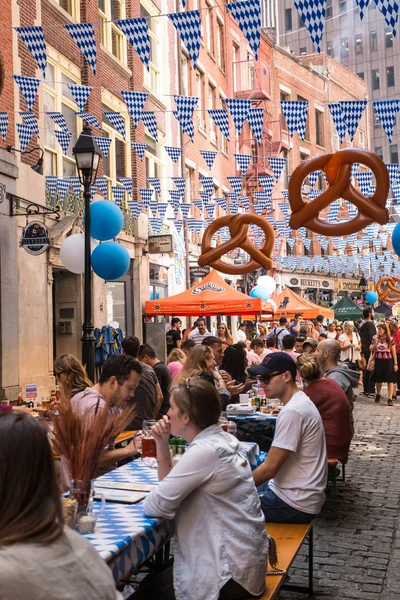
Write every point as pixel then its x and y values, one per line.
pixel 291 481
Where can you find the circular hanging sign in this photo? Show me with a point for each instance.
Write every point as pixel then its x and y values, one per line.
pixel 35 238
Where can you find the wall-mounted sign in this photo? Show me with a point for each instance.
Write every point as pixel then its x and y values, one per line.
pixel 199 271
pixel 35 238
pixel 160 244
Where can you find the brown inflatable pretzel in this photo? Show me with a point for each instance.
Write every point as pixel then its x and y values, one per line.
pixel 387 289
pixel 337 168
pixel 238 227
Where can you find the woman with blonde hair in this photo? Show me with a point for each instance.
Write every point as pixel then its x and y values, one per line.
pixel 224 334
pixel 175 361
pixel 311 332
pixel 384 352
pixel 262 332
pixel 71 375
pixel 350 344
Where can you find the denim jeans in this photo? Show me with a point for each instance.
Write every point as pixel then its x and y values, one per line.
pixel 277 511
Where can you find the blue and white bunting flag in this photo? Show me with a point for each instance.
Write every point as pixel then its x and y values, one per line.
pixel 101 184
pixel 243 161
pixel 135 102
pixel 153 207
pixel 127 183
pixel 295 113
pixel 146 195
pixel 137 33
pixel 84 37
pixel 188 25
pixel 117 121
pixel 185 210
pixel 58 119
pixel 354 169
pixel 390 11
pixel 51 182
pixel 34 39
pixel 28 87
pixel 149 120
pixel 267 181
pixel 30 119
pixel 198 203
pixel 89 118
pixel 239 109
pixel 76 185
pixel 63 138
pixel 258 208
pixel 180 183
pixel 209 157
pixel 162 209
pixel 208 185
pixel 24 135
pixel 352 111
pixel 135 208
pixel 156 224
pixel 245 203
pixel 63 186
pixel 210 208
pixel 205 195
pixel 140 149
pixel 118 193
pixel 221 202
pixel 312 13
pixel 312 178
pixel 178 222
pixel 338 120
pixel 3 125
pixel 80 94
pixel 248 17
pixel 362 4
pixel 173 152
pixel 394 173
pixel 387 112
pixel 236 184
pixel 104 144
pixel 220 118
pixel 255 119
pixel 184 113
pixel 155 183
pixel 364 179
pixel 263 199
pixel 277 165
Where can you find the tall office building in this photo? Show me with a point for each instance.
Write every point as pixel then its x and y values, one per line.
pixel 366 47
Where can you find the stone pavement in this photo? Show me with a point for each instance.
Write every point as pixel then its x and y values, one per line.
pixel 357 555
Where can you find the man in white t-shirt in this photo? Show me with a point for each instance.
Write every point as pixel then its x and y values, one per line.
pixel 292 480
pixel 241 333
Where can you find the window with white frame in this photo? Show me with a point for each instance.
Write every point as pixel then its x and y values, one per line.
pixel 111 36
pixel 201 105
pixel 154 164
pixel 210 27
pixel 212 99
pixel 189 184
pixel 221 44
pixel 117 164
pixel 153 76
pixel 71 7
pixel 58 98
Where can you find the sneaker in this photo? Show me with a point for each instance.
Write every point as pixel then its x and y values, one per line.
pixel 377 398
pixel 390 402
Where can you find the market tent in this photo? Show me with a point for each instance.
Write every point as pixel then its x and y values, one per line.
pixel 347 309
pixel 289 303
pixel 212 296
pixel 384 309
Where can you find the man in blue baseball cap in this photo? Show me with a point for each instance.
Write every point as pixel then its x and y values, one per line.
pixel 292 480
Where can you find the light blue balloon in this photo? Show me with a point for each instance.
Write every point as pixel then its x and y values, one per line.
pixel 396 239
pixel 371 297
pixel 258 291
pixel 110 260
pixel 106 220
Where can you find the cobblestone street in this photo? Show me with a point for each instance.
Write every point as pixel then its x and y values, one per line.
pixel 358 554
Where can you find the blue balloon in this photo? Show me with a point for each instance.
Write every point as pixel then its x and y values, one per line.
pixel 259 292
pixel 396 239
pixel 110 260
pixel 371 297
pixel 106 220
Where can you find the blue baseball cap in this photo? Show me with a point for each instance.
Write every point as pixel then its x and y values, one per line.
pixel 276 362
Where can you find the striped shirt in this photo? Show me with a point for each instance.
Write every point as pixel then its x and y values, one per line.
pixel 197 337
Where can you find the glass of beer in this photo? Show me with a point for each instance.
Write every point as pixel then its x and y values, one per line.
pixel 149 449
pixel 223 421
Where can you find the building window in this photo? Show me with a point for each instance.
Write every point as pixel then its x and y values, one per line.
pixel 152 77
pixel 71 7
pixel 344 47
pixel 390 76
pixel 185 75
pixel 300 23
pixel 154 165
pixel 303 51
pixel 319 128
pixel 379 152
pixel 375 79
pixel 330 48
pixel 373 40
pixel 388 37
pixel 236 67
pixel 58 98
pixel 361 138
pixel 117 164
pixel 394 153
pixel 212 99
pixel 328 10
pixel 221 44
pixel 288 20
pixel 342 7
pixel 201 104
pixel 190 191
pixel 110 35
pixel 361 75
pixel 377 122
pixel 210 27
pixel 285 170
pixel 359 44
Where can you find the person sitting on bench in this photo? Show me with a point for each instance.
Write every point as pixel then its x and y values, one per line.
pixel 292 480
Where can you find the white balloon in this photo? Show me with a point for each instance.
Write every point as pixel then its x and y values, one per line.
pixel 72 252
pixel 267 283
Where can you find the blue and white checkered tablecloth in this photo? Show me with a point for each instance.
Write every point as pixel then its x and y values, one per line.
pixel 124 536
pixel 255 422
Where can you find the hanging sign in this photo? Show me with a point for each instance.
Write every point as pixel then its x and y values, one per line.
pixel 35 238
pixel 160 244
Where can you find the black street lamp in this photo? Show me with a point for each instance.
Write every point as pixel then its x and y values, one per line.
pixel 87 156
pixel 363 285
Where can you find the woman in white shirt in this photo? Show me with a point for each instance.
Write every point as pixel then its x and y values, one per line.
pixel 331 333
pixel 350 344
pixel 221 547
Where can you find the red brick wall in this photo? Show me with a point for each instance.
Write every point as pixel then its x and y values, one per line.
pixel 7 95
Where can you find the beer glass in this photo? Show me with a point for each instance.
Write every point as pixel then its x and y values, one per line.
pixel 149 449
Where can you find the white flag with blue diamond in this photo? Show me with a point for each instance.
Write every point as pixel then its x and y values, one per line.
pixel 236 184
pixel 104 144
pixel 118 193
pixel 80 94
pixel 149 119
pixel 220 118
pixel 89 118
pixel 127 183
pixel 295 113
pixel 188 25
pixel 255 119
pixel 34 39
pixel 140 149
pixel 137 32
pixel 352 111
pixel 58 119
pixel 390 11
pixel 173 152
pixel 312 13
pixel 51 182
pixel 209 157
pixel 30 119
pixel 363 4
pixel 248 17
pixel 180 183
pixel 135 102
pixel 267 181
pixel 3 125
pixel 155 183
pixel 184 113
pixel 24 135
pixel 101 184
pixel 28 87
pixel 277 165
pixel 63 138
pixel 117 121
pixel 387 112
pixel 83 36
pixel 243 161
pixel 239 110
pixel 338 120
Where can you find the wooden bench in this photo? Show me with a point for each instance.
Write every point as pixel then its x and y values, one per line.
pixel 333 478
pixel 289 538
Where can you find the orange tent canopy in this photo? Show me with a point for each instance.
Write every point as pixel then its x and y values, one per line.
pixel 296 304
pixel 212 296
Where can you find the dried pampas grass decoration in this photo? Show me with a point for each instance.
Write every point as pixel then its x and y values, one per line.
pixel 82 436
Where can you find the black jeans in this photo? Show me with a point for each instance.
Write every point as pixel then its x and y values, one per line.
pixel 161 587
pixel 368 384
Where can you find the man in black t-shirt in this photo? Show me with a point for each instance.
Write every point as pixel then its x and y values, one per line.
pixel 149 357
pixel 367 330
pixel 173 336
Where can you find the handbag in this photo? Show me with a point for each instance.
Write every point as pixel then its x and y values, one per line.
pixel 371 361
pixel 362 363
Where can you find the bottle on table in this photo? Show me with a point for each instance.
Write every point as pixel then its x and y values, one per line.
pixel 20 399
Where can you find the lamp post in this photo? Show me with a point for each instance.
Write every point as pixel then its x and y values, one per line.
pixel 87 157
pixel 363 285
